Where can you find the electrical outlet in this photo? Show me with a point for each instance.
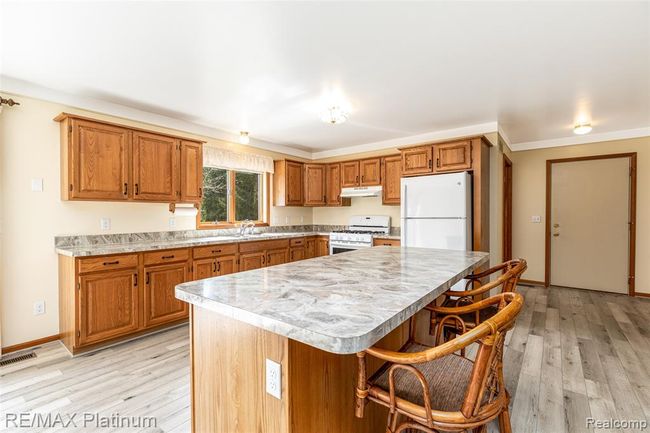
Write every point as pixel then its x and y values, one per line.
pixel 274 379
pixel 535 219
pixel 287 219
pixel 302 219
pixel 39 308
pixel 37 185
pixel 172 222
pixel 105 223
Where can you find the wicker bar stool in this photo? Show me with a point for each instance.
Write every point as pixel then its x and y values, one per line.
pixel 511 271
pixel 434 388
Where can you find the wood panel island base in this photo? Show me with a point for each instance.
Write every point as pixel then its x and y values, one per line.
pixel 311 317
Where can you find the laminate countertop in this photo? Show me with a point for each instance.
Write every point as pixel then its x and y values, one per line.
pixel 342 303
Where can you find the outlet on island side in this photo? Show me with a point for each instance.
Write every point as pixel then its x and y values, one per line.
pixel 274 379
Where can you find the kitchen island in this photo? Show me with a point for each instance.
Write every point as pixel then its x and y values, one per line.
pixel 310 317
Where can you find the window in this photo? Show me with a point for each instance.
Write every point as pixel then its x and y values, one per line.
pixel 231 196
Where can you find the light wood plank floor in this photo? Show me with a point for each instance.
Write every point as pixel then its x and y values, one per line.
pixel 573 354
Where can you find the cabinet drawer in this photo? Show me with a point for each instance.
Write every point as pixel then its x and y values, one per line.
pixel 386 242
pixel 298 242
pixel 167 256
pixel 247 247
pixel 214 250
pixel 104 263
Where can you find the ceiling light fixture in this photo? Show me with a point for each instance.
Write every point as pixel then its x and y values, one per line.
pixel 334 114
pixel 582 128
pixel 244 138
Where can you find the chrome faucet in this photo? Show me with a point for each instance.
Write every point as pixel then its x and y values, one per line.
pixel 246 225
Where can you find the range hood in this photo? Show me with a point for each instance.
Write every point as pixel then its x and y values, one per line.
pixel 361 191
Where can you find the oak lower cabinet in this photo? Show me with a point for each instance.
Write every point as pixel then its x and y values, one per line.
pixel 214 260
pixel 297 249
pixel 386 242
pixel 259 254
pixel 310 247
pixel 108 305
pixel 322 246
pixel 160 303
pixel 253 260
pixel 277 256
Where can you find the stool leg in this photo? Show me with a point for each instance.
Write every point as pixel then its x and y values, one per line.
pixel 504 421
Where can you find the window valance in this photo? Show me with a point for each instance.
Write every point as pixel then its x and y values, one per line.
pixel 228 159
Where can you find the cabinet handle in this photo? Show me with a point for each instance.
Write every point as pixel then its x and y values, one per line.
pixel 200 192
pixel 438 162
pixel 146 278
pixel 137 189
pixel 126 188
pixel 357 178
pixel 263 259
pixel 115 262
pixel 324 198
pixel 214 266
pixel 430 164
pixel 363 177
pixel 218 266
pixel 135 280
pixel 167 257
pixel 216 251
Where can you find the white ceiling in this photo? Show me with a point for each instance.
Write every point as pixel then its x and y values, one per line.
pixel 407 69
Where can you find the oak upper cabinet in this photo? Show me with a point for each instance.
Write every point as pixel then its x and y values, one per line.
pixel 391 173
pixel 155 167
pixel 288 183
pixel 108 305
pixel 315 191
pixel 417 160
pixel 349 174
pixel 160 303
pixel 191 171
pixel 94 161
pixel 370 170
pixel 456 156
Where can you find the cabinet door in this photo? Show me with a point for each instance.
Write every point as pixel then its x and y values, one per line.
pixel 417 160
pixel 349 174
pixel 277 256
pixel 310 248
pixel 322 247
pixel 390 177
pixel 98 161
pixel 315 185
pixel 333 185
pixel 155 167
pixel 296 254
pixel 251 261
pixel 191 171
pixel 204 268
pixel 226 265
pixel 108 305
pixel 294 183
pixel 160 304
pixel 453 156
pixel 370 171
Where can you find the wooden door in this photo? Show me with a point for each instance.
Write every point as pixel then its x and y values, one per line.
pixel 507 209
pixel 226 265
pixel 333 185
pixel 294 185
pixel 453 156
pixel 310 248
pixel 191 171
pixel 391 177
pixel 315 193
pixel 160 303
pixel 370 171
pixel 204 268
pixel 155 167
pixel 277 256
pixel 322 247
pixel 99 161
pixel 251 261
pixel 296 254
pixel 417 160
pixel 108 305
pixel 349 174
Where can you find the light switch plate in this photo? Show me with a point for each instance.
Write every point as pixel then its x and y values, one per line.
pixel 105 223
pixel 39 308
pixel 37 185
pixel 535 219
pixel 172 222
pixel 274 379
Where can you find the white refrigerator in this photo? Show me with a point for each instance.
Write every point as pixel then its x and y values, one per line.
pixel 437 211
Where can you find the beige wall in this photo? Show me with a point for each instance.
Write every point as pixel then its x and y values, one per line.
pixel 29 141
pixel 359 206
pixel 529 198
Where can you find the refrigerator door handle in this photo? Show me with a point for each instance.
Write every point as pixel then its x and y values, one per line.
pixel 404 208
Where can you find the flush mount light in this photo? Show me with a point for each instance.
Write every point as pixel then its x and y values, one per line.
pixel 334 114
pixel 243 137
pixel 582 128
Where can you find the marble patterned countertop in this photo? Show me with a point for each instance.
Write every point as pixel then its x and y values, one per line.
pixel 342 303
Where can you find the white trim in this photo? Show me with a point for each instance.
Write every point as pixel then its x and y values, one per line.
pixel 505 137
pixel 480 129
pixel 20 87
pixel 582 139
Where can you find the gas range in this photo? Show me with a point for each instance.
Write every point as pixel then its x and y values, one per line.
pixel 360 232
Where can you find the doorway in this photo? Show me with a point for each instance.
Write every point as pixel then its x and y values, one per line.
pixel 591 222
pixel 507 209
